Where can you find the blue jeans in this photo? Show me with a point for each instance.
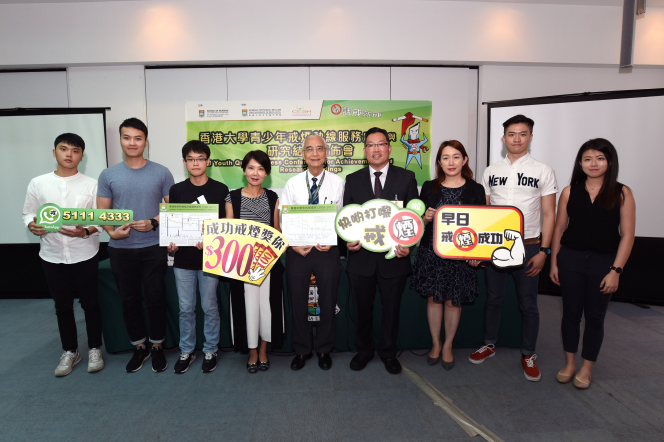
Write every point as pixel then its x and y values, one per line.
pixel 526 293
pixel 185 280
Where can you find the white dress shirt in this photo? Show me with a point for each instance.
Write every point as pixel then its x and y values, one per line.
pixel 77 191
pixel 521 184
pixel 330 192
pixel 382 178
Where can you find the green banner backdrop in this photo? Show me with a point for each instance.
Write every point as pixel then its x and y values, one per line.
pixel 231 129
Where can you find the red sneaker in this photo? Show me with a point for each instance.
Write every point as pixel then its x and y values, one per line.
pixel 485 352
pixel 530 369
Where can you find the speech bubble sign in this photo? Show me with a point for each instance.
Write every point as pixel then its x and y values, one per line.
pixel 475 232
pixel 380 225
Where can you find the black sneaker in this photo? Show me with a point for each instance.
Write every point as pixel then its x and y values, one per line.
pixel 210 362
pixel 141 354
pixel 158 359
pixel 186 359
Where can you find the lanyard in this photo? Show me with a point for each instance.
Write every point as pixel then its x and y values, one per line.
pixel 315 194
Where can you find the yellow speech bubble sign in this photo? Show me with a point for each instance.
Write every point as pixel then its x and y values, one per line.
pixel 474 232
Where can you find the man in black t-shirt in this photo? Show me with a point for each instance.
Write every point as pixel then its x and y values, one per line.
pixel 188 263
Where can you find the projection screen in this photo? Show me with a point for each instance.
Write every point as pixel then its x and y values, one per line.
pixel 632 120
pixel 26 140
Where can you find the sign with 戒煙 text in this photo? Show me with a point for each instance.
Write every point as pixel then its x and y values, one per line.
pixel 486 233
pixel 381 225
pixel 241 249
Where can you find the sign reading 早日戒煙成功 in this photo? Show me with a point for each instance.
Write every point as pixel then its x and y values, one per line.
pixel 381 225
pixel 52 217
pixel 485 233
pixel 241 249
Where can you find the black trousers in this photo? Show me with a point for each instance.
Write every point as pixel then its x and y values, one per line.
pixel 326 267
pixel 526 293
pixel 141 271
pixel 65 281
pixel 363 289
pixel 580 273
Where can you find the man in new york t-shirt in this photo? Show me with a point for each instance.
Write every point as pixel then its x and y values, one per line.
pixel 521 181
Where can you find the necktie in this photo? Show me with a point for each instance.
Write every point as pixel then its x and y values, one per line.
pixel 378 189
pixel 313 190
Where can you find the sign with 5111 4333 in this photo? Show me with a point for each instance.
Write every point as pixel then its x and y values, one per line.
pixel 52 217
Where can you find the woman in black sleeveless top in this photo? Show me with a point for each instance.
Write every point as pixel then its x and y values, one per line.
pixel 592 240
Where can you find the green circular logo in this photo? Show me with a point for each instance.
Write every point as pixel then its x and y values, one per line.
pixel 416 206
pixel 50 214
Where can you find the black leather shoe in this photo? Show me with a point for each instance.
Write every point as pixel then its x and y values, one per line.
pixel 299 361
pixel 324 361
pixel 252 368
pixel 392 365
pixel 359 362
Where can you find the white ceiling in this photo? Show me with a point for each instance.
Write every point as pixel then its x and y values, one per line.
pixel 651 3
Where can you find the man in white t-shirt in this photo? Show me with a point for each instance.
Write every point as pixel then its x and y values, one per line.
pixel 521 181
pixel 313 186
pixel 69 256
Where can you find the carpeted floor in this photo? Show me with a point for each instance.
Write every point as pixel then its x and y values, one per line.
pixel 624 403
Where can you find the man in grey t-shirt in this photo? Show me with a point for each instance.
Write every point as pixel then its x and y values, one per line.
pixel 137 262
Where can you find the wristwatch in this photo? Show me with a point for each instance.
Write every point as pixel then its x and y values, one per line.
pixel 546 250
pixel 154 223
pixel 87 233
pixel 617 269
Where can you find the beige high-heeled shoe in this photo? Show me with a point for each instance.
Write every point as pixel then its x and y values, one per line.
pixel 581 385
pixel 564 379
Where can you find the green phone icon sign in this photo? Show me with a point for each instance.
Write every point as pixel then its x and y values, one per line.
pixel 50 214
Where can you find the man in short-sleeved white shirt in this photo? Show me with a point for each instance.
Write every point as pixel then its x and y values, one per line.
pixel 519 180
pixel 313 186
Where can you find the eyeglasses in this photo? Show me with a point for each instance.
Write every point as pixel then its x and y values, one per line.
pixel 376 145
pixel 196 160
pixel 319 149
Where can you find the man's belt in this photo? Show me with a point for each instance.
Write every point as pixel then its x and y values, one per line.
pixel 532 241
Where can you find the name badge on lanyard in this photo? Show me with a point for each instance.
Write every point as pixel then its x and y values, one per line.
pixel 398 203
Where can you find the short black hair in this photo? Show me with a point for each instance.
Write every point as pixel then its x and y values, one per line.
pixel 260 156
pixel 376 130
pixel 71 139
pixel 518 119
pixel 195 146
pixel 135 123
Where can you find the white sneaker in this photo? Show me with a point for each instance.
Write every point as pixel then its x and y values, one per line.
pixel 68 361
pixel 95 361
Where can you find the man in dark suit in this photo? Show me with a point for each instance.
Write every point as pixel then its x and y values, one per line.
pixel 367 269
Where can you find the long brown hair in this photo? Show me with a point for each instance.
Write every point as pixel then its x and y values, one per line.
pixel 466 172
